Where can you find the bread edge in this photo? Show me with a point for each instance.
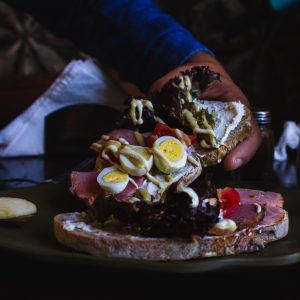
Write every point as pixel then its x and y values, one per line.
pixel 108 244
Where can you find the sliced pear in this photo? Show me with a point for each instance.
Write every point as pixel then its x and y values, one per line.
pixel 16 208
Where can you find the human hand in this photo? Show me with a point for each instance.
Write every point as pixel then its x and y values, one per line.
pixel 223 90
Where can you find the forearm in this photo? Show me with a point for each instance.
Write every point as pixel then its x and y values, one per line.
pixel 134 36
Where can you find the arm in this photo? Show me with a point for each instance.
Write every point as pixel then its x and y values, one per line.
pixel 134 37
pixel 142 43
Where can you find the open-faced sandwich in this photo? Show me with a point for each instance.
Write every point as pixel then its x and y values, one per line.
pixel 148 196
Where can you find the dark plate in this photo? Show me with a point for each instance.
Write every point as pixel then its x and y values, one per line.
pixel 36 240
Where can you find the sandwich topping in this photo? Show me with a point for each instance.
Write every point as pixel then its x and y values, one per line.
pixel 159 163
pixel 136 111
pixel 169 154
pixel 192 194
pixel 136 160
pixel 206 130
pixel 113 180
pixel 144 169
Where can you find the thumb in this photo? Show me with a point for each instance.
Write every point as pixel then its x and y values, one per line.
pixel 243 152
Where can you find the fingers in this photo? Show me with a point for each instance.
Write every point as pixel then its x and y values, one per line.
pixel 242 153
pixel 215 91
pixel 224 90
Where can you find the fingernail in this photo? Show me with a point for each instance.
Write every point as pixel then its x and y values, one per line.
pixel 237 163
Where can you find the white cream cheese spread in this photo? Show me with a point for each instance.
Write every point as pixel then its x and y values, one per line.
pixel 228 113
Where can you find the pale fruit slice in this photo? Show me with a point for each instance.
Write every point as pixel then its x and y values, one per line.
pixel 16 208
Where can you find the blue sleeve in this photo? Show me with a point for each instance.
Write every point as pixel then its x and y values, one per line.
pixel 280 5
pixel 133 36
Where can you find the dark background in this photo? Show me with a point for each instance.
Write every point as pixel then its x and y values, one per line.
pixel 259 48
pixel 27 279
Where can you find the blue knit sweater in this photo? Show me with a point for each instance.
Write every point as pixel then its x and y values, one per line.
pixel 133 36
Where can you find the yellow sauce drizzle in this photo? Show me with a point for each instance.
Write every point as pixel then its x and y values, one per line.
pixel 197 130
pixel 136 108
pixel 140 138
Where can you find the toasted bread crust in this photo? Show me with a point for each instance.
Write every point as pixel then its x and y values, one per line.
pixel 243 130
pixel 99 242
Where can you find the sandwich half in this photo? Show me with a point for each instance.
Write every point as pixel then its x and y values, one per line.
pixel 254 229
pixel 143 200
pixel 219 126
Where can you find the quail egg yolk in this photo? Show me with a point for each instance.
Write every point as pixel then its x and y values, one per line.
pixel 171 149
pixel 112 180
pixel 169 154
pixel 115 176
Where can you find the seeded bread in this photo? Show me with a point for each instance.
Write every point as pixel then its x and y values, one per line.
pixel 72 230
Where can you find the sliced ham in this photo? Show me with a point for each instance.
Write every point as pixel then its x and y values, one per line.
pixel 150 139
pixel 126 134
pixel 271 202
pixel 247 215
pixel 85 186
pixel 260 197
pixel 273 215
pixel 130 189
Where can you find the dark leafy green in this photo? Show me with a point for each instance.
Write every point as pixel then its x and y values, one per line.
pixel 169 100
pixel 173 217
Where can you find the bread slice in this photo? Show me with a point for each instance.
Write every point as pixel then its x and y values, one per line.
pixel 72 230
pixel 240 130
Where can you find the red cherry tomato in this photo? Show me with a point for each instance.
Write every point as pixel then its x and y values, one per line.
pixel 230 200
pixel 162 130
